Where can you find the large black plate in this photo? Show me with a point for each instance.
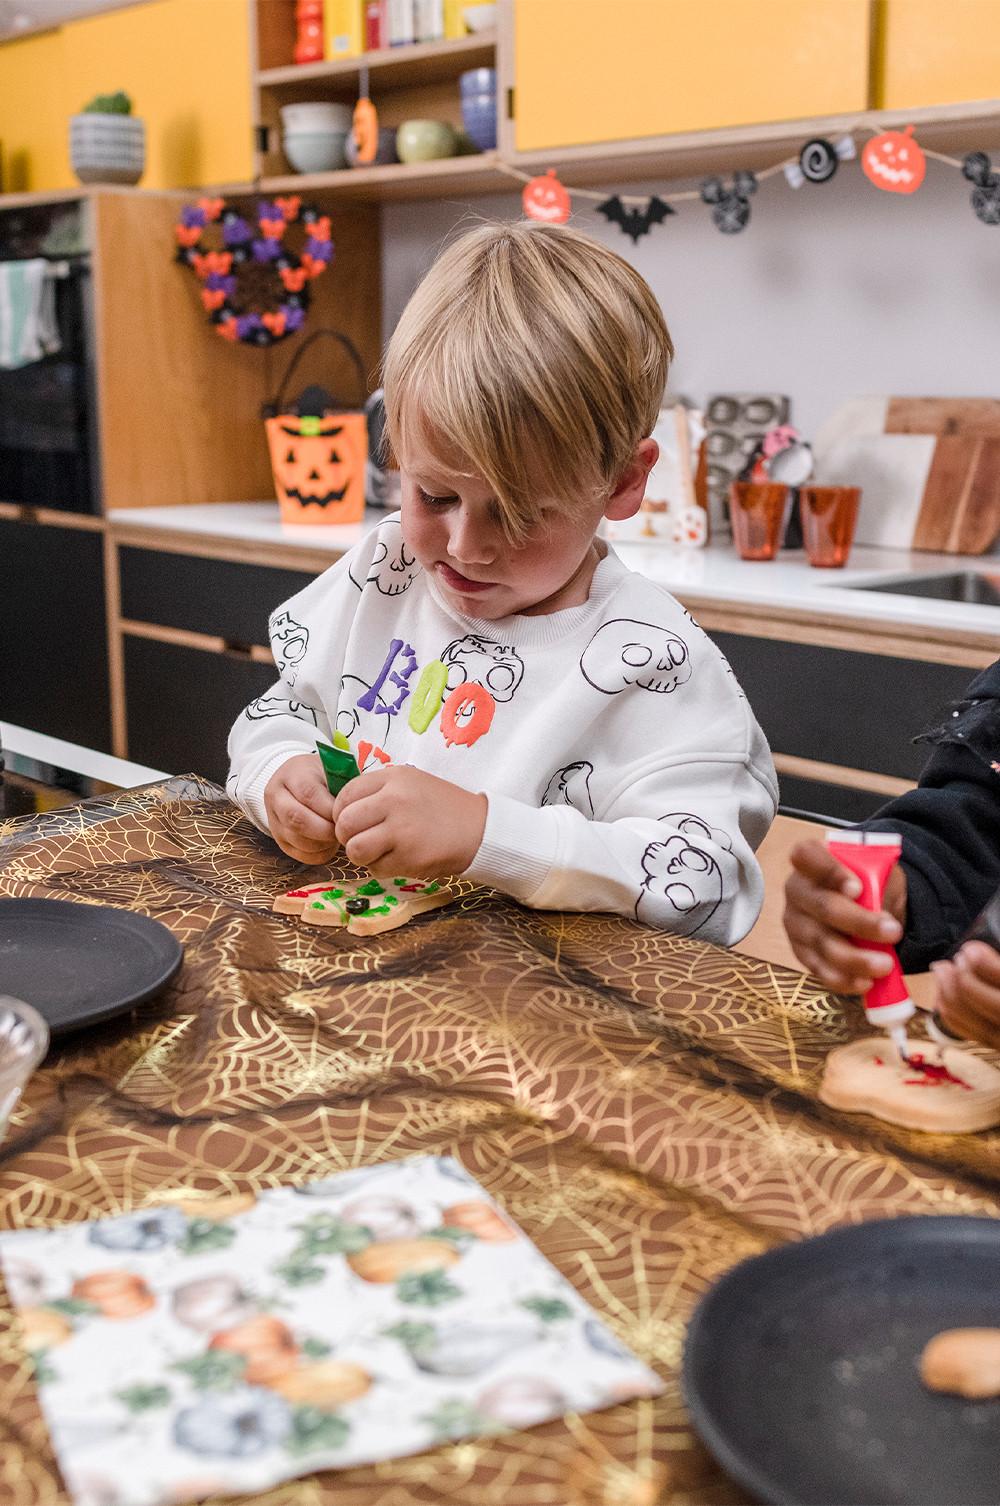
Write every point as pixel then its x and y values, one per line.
pixel 79 964
pixel 801 1367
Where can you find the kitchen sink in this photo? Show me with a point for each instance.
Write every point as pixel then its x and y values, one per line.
pixel 963 585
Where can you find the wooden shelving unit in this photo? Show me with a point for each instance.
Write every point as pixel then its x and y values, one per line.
pixel 463 176
pixel 391 68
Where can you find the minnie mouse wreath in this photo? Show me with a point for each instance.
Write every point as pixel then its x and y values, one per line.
pixel 254 289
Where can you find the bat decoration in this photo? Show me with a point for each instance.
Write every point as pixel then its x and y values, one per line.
pixel 978 168
pixel 635 222
pixel 730 206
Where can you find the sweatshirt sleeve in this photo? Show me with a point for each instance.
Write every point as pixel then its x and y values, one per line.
pixel 950 826
pixel 308 636
pixel 674 848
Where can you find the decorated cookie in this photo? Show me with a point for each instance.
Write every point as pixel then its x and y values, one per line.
pixel 365 908
pixel 943 1091
pixel 963 1361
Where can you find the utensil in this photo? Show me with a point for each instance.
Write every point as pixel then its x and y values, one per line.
pixel 480 17
pixel 758 511
pixel 829 515
pixel 315 151
pixel 24 1040
pixel 80 964
pixel 801 1366
pixel 425 140
pixel 315 115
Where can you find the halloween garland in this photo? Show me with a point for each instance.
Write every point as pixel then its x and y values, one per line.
pixel 892 160
pixel 254 287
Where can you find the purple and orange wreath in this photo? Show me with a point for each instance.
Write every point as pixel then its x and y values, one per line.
pixel 254 287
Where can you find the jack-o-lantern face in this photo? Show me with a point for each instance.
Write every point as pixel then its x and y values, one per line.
pixel 894 162
pixel 319 466
pixel 546 199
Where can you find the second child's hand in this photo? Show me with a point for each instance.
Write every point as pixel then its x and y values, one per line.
pixel 397 820
pixel 823 920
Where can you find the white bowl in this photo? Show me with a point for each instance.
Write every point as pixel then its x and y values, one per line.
pixel 316 115
pixel 480 17
pixel 315 151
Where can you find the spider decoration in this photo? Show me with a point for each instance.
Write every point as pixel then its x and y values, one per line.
pixel 254 289
pixel 730 206
pixel 978 168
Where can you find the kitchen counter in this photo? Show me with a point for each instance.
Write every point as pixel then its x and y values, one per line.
pixel 785 588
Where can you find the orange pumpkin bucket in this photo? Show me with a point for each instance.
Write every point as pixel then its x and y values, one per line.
pixel 319 447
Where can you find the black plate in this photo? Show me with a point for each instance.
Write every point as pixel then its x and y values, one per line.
pixel 79 964
pixel 801 1367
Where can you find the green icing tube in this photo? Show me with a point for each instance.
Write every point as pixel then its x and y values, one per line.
pixel 338 766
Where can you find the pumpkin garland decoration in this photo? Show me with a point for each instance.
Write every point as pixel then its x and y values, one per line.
pixel 546 199
pixel 894 161
pixel 255 288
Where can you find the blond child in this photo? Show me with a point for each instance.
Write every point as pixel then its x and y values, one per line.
pixel 527 712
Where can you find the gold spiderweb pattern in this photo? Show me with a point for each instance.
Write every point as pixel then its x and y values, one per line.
pixel 644 1107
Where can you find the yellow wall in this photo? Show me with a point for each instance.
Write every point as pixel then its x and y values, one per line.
pixel 186 64
pixel 939 51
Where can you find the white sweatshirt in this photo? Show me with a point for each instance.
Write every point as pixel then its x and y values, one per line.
pixel 623 767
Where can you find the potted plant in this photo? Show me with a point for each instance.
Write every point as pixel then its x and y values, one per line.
pixel 107 143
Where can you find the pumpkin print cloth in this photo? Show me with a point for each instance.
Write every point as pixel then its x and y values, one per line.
pixel 211 1345
pixel 644 1107
pixel 623 766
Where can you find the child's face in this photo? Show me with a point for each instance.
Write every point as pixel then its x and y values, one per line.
pixel 452 524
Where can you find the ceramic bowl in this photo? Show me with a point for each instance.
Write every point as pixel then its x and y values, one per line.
pixel 477 81
pixel 386 149
pixel 315 151
pixel 480 17
pixel 315 115
pixel 425 140
pixel 479 116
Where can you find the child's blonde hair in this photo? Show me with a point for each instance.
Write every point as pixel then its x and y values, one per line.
pixel 533 355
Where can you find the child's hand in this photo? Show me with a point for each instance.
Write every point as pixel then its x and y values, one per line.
pixel 300 810
pixel 821 916
pixel 398 820
pixel 969 993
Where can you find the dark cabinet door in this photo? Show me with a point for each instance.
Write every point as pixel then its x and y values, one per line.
pixel 54 660
pixel 182 702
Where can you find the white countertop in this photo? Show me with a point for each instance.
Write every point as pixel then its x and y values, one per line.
pixel 62 755
pixel 713 574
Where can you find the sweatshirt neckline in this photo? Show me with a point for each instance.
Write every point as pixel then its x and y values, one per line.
pixel 550 627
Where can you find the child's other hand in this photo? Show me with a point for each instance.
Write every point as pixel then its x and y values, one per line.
pixel 821 917
pixel 399 821
pixel 300 810
pixel 969 993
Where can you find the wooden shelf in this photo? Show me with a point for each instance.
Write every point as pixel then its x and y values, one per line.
pixel 461 176
pixel 390 68
pixel 955 129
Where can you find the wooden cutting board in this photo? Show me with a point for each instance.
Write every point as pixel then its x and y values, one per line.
pixel 928 467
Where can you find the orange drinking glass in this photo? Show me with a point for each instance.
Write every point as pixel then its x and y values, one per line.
pixel 759 512
pixel 828 514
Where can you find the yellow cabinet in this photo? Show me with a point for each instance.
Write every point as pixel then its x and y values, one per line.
pixel 936 54
pixel 612 70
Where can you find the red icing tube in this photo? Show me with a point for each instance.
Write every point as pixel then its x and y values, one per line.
pixel 871 856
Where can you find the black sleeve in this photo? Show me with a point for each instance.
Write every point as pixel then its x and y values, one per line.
pixel 950 825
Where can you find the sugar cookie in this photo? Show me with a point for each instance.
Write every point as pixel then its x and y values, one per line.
pixel 964 1361
pixel 366 907
pixel 947 1091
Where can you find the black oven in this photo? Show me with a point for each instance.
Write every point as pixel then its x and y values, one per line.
pixel 48 421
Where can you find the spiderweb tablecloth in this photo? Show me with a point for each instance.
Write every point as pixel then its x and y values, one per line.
pixel 645 1107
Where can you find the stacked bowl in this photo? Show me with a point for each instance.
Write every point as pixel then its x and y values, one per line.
pixel 479 106
pixel 314 135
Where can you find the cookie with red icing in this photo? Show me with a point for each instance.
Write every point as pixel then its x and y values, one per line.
pixel 366 907
pixel 947 1091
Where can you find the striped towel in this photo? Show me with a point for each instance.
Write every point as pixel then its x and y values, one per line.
pixel 28 328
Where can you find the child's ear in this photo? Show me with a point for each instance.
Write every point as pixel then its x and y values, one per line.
pixel 626 499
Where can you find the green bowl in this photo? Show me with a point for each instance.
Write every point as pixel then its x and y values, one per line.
pixel 425 140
